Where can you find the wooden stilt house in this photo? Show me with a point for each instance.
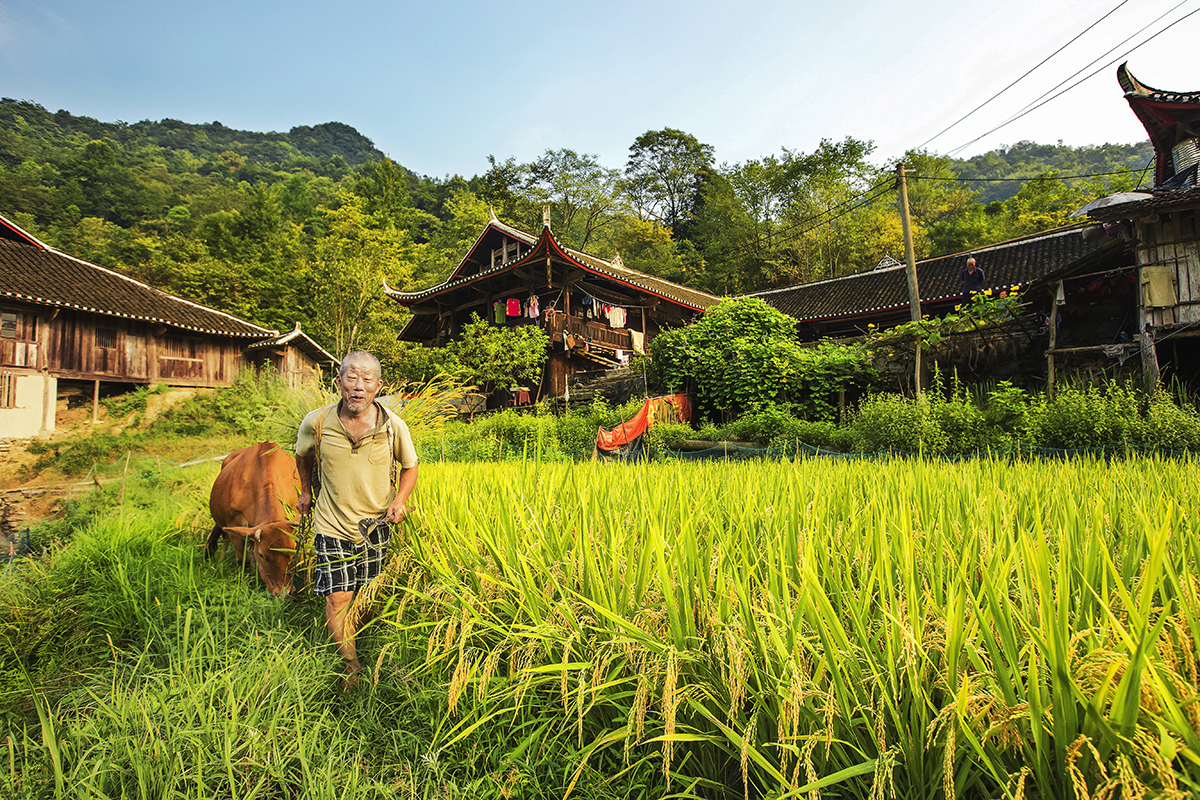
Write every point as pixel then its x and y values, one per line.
pixel 597 311
pixel 68 324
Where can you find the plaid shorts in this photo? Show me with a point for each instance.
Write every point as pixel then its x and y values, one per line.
pixel 342 566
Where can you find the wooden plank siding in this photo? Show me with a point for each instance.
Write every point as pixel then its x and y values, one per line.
pixel 83 346
pixel 1172 242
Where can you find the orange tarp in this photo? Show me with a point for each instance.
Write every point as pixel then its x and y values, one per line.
pixel 669 408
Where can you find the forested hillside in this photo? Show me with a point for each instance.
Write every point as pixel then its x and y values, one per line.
pixel 304 225
pixel 1028 159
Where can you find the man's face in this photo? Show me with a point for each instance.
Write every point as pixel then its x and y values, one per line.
pixel 358 386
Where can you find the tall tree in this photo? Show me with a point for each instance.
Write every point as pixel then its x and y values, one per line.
pixel 662 175
pixel 582 192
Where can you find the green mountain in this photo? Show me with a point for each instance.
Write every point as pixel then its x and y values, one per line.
pixel 1028 159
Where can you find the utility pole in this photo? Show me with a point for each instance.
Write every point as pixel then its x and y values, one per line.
pixel 910 259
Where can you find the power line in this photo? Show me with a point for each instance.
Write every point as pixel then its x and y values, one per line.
pixel 1037 104
pixel 1028 73
pixel 1024 180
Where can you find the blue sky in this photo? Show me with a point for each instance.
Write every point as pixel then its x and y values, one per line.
pixel 439 86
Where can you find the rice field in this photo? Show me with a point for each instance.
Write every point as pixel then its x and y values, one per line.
pixel 825 628
pixel 854 629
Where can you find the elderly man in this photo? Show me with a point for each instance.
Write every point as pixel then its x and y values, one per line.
pixel 972 280
pixel 355 444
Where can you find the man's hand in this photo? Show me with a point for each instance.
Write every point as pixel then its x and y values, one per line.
pixel 396 512
pixel 304 504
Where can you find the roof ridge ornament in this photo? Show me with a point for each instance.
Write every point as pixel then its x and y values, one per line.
pixel 617 262
pixel 546 217
pixel 492 214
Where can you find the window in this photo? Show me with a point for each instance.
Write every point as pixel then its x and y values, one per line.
pixel 8 390
pixel 106 337
pixel 18 339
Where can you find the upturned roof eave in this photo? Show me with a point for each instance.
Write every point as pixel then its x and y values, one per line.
pixel 540 248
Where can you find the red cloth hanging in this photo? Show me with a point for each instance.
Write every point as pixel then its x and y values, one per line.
pixel 669 408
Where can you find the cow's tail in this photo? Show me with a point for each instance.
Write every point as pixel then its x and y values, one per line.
pixel 214 538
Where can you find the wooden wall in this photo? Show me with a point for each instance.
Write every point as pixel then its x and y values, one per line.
pixel 78 345
pixel 1171 242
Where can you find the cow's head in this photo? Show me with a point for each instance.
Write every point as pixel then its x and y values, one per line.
pixel 274 547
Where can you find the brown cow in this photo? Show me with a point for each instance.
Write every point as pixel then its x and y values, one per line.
pixel 251 501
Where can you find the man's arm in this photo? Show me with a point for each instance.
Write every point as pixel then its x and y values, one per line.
pixel 304 465
pixel 404 487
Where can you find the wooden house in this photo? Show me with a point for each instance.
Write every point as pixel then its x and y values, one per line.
pixel 1162 228
pixel 597 311
pixel 295 356
pixel 68 324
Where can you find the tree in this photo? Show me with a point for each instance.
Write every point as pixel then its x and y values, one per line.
pixel 662 173
pixel 743 356
pixel 350 265
pixel 583 193
pixel 495 356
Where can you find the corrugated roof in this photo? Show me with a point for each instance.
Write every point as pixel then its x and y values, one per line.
pixel 1161 201
pixel 44 276
pixel 1015 263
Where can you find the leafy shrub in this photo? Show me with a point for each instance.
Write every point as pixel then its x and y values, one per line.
pixel 743 357
pixel 668 434
pixel 1083 417
pixel 1169 425
pixel 893 422
pixel 776 426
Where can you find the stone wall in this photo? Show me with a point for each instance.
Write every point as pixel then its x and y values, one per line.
pixel 614 385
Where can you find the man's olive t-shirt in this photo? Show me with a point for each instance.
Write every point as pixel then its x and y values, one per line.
pixel 355 477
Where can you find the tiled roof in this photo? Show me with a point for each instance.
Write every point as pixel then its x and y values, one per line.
pixel 682 295
pixel 1159 202
pixel 1015 263
pixel 299 339
pixel 43 276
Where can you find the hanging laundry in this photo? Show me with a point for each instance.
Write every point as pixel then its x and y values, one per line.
pixel 498 312
pixel 638 342
pixel 514 306
pixel 533 311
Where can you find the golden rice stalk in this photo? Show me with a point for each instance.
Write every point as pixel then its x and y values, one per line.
pixel 363 605
pixel 487 671
pixel 1021 776
pixel 1149 752
pixel 1074 752
pixel 459 680
pixel 669 704
pixel 948 760
pixel 562 677
pixel 580 696
pixel 434 637
pixel 736 681
pixel 747 740
pixel 810 770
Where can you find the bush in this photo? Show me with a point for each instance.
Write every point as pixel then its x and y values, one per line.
pixel 1169 425
pixel 894 422
pixel 1083 417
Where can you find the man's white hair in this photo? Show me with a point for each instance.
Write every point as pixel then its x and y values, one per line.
pixel 359 358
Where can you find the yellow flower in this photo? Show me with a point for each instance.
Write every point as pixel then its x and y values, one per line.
pixel 988 292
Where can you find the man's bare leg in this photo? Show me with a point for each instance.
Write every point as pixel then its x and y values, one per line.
pixel 337 619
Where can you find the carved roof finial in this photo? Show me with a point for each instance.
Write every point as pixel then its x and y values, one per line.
pixel 545 216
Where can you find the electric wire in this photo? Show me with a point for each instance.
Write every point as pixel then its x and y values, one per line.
pixel 1038 104
pixel 1028 73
